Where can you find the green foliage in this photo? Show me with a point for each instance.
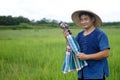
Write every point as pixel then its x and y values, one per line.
pixel 16 27
pixel 111 24
pixel 24 26
pixel 39 55
pixel 9 20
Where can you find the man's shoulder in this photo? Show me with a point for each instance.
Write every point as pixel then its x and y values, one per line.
pixel 99 30
pixel 81 32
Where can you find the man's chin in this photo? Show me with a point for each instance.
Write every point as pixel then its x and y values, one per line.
pixel 86 27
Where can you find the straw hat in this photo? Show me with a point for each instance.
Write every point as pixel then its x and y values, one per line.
pixel 76 19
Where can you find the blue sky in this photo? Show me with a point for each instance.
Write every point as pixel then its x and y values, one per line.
pixel 61 10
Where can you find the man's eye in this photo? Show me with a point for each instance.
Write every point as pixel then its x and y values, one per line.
pixel 80 19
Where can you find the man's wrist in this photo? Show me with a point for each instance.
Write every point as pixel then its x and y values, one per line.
pixel 87 57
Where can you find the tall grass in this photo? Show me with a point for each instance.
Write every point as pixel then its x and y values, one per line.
pixel 39 54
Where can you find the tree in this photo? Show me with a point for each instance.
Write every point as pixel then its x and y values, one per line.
pixel 9 20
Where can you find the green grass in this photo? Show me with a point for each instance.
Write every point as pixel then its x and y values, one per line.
pixel 39 54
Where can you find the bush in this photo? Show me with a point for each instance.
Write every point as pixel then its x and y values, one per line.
pixel 16 27
pixel 24 26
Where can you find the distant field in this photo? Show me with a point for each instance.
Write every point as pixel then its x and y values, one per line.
pixel 38 54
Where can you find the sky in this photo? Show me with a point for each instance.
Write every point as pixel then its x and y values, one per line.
pixel 60 10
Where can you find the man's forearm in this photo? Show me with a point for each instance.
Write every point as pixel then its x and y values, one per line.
pixel 98 56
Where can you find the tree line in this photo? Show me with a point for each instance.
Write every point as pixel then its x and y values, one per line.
pixel 9 20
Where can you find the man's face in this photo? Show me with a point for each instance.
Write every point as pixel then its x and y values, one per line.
pixel 86 21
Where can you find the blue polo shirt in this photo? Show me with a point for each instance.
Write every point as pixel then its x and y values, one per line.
pixel 90 44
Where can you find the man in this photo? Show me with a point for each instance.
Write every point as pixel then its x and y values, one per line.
pixel 94 46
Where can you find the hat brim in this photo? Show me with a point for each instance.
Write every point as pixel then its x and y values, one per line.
pixel 76 19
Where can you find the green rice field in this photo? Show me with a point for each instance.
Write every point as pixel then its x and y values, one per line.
pixel 39 54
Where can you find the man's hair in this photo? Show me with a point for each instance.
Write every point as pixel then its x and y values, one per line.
pixel 87 14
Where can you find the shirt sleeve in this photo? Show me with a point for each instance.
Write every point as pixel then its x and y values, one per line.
pixel 103 41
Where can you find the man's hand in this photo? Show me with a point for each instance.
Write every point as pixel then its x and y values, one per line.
pixel 65 33
pixel 82 56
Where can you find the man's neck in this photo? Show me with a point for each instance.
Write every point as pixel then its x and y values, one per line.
pixel 89 30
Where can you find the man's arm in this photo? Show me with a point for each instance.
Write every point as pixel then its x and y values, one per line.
pixel 97 56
